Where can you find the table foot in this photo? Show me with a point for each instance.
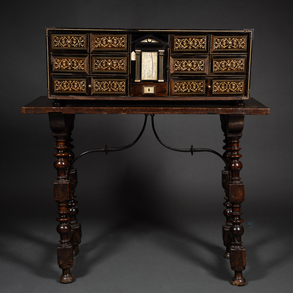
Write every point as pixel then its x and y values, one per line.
pixel 238 279
pixel 66 277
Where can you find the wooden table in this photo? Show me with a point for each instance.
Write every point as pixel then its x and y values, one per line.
pixel 61 118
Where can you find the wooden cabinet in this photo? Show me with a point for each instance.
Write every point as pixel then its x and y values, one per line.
pixel 105 64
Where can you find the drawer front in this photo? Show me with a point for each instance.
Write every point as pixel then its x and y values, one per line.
pixel 229 44
pixel 69 42
pixel 69 85
pixel 189 44
pixel 189 65
pixel 69 64
pixel 229 65
pixel 109 64
pixel 145 89
pixel 103 86
pixel 228 87
pixel 108 42
pixel 188 87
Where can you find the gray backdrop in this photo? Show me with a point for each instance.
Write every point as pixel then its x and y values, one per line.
pixel 145 211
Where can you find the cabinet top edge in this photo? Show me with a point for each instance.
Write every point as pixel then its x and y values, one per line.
pixel 152 30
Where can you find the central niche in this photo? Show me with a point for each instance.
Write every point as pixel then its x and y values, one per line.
pixel 149 65
pixel 149 54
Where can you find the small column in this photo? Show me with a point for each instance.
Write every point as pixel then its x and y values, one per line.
pixel 233 126
pixel 60 125
pixel 161 65
pixel 138 66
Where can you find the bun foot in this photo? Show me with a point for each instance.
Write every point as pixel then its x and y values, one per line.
pixel 238 279
pixel 66 277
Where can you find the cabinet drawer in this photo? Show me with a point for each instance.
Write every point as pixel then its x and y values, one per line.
pixel 108 42
pixel 189 65
pixel 228 86
pixel 189 43
pixel 70 64
pixel 109 64
pixel 229 43
pixel 69 85
pixel 145 89
pixel 226 65
pixel 106 86
pixel 69 42
pixel 188 87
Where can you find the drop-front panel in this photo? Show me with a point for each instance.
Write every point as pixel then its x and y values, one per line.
pixel 113 64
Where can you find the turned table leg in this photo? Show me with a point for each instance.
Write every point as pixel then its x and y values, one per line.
pixel 233 126
pixel 227 212
pixel 73 208
pixel 60 125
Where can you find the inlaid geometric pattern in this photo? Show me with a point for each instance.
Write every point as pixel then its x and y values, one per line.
pixel 189 87
pixel 110 86
pixel 102 64
pixel 228 87
pixel 70 85
pixel 69 64
pixel 110 42
pixel 229 43
pixel 229 65
pixel 68 41
pixel 192 43
pixel 189 65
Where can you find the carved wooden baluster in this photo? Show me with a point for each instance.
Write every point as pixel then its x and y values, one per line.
pixel 73 208
pixel 228 206
pixel 233 130
pixel 59 125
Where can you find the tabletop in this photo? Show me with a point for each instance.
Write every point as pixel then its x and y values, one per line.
pixel 43 105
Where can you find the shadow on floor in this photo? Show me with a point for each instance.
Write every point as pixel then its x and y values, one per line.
pixel 19 247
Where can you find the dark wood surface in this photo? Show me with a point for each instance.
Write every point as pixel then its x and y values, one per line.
pixel 43 105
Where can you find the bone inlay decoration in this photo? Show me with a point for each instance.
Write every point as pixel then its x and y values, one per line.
pixel 70 85
pixel 189 87
pixel 190 43
pixel 227 87
pixel 109 86
pixel 109 64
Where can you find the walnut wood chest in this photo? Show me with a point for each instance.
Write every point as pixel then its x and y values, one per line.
pixel 118 64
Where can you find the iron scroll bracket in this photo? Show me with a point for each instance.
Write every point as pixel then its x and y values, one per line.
pixel 184 150
pixel 107 149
